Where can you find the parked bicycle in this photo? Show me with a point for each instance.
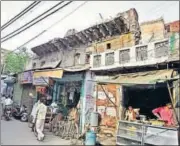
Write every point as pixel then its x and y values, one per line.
pixel 67 129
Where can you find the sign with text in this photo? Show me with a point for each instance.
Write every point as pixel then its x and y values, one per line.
pixel 42 77
pixel 26 77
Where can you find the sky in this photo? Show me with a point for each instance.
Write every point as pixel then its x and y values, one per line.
pixel 84 17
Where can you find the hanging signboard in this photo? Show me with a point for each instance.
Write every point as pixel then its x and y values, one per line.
pixel 26 77
pixel 41 89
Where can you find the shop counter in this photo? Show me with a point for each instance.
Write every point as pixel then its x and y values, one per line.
pixel 133 133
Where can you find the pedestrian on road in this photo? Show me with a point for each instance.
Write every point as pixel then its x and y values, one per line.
pixel 40 120
pixel 33 114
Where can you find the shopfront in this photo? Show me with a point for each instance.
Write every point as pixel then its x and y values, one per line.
pixel 74 90
pixel 44 82
pixel 146 91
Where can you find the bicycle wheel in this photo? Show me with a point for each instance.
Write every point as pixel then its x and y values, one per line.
pixel 74 135
pixel 61 128
pixel 64 131
pixel 55 128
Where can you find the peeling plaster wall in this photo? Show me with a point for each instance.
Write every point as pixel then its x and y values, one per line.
pixel 62 58
pixel 122 41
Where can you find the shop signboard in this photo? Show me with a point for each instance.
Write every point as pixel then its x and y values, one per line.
pixel 43 77
pixel 26 77
pixel 41 81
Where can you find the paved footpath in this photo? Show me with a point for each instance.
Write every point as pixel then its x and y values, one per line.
pixel 17 133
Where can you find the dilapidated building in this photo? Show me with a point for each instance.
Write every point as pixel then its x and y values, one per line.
pixel 72 55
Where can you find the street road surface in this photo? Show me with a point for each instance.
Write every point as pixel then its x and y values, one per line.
pixel 17 133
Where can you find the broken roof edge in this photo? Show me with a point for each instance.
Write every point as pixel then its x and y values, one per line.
pixel 119 15
pixel 161 19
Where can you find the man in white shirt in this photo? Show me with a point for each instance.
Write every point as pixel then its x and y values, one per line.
pixel 7 102
pixel 41 115
pixel 33 113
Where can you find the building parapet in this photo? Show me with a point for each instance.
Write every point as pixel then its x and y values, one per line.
pixel 140 55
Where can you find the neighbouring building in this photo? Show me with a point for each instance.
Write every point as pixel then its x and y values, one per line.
pixel 61 66
pixel 172 30
pixel 173 27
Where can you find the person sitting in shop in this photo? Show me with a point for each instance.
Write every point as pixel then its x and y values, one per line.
pixel 131 114
pixel 165 113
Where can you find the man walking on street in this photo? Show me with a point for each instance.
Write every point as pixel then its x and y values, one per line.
pixel 41 115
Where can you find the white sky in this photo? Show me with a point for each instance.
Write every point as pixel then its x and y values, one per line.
pixel 86 16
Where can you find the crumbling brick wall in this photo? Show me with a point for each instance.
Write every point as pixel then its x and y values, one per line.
pixel 132 22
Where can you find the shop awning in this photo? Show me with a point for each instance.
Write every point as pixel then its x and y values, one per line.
pixel 52 73
pixel 73 77
pixel 151 77
pixel 77 68
pixel 41 77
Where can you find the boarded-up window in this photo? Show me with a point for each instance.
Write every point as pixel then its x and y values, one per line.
pixel 87 58
pixel 124 56
pixel 109 60
pixel 42 63
pixel 141 53
pixel 97 61
pixel 161 49
pixel 34 65
pixel 77 58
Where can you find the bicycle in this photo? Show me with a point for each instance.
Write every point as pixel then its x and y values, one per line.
pixel 74 134
pixel 58 128
pixel 66 127
pixel 68 130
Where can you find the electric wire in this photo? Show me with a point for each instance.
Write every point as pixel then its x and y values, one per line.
pixel 19 15
pixel 23 28
pixel 49 28
pixel 21 46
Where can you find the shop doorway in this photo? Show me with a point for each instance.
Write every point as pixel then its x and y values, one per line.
pixel 146 98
